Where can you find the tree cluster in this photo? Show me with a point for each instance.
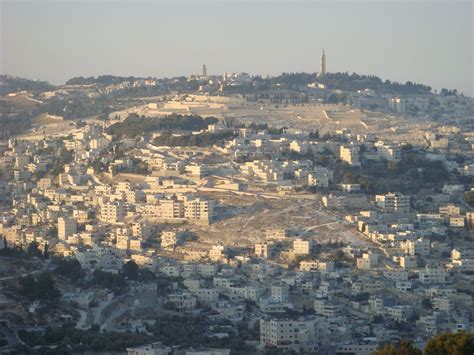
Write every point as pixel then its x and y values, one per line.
pixel 131 271
pixel 70 269
pixel 17 251
pixel 114 282
pixel 41 287
pixel 171 330
pixel 11 125
pixel 68 340
pixel 469 198
pixel 134 125
pixel 412 173
pixel 192 140
pixel 77 107
pixel 118 282
pixel 461 343
pixel 100 80
pixel 65 157
pixel 14 84
pixel 354 82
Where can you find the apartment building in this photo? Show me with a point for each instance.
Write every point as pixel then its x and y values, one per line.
pixel 265 171
pixel 436 275
pixel 44 183
pixel 288 334
pixel 183 207
pixel 408 262
pixel 217 253
pixel 393 202
pixel 316 265
pixel 276 233
pixel 457 221
pixel 400 313
pixel 263 249
pixel 450 210
pixel 196 171
pixel 326 308
pixel 350 154
pixel 170 209
pixel 141 230
pixel 397 104
pixel 113 212
pixel 122 237
pixel 66 227
pixel 367 261
pixel 333 201
pixel 81 216
pixel 200 210
pixel 318 180
pixel 302 247
pixel 182 301
pixel 279 292
pixel 169 239
pixel 419 247
pixel 388 152
pixel 150 349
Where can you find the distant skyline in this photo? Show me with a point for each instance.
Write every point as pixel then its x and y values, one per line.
pixel 429 42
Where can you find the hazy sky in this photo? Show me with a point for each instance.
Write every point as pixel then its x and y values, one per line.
pixel 424 41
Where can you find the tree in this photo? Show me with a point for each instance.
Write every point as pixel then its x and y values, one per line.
pixel 33 250
pixel 163 286
pixel 387 349
pixel 378 319
pixel 65 157
pixel 131 270
pixel 392 165
pixel 407 348
pixel 71 269
pixel 113 282
pixel 41 288
pixel 147 275
pixel 338 256
pixel 404 348
pixel 469 198
pixel 314 134
pixel 446 92
pixel 337 98
pixel 361 297
pixel 16 251
pixel 46 251
pixel 426 303
pixel 461 343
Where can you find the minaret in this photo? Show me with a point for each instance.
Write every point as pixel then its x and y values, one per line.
pixel 322 70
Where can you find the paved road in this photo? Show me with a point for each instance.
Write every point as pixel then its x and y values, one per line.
pixel 18 276
pixel 320 225
pixel 81 323
pixel 98 311
pixel 9 335
pixel 116 313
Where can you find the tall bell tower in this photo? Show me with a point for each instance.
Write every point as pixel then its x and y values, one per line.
pixel 322 69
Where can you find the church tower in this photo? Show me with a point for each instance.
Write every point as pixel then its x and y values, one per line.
pixel 322 70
